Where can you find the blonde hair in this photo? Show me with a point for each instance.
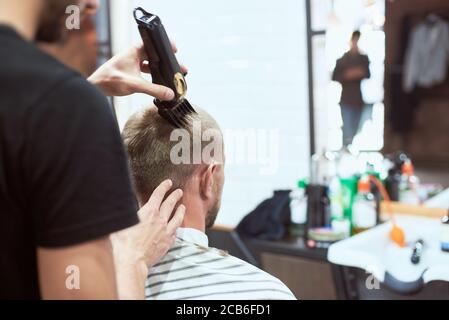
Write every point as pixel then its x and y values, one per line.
pixel 147 138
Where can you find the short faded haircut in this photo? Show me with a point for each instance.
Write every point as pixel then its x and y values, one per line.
pixel 147 140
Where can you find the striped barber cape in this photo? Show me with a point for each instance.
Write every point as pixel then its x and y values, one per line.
pixel 193 271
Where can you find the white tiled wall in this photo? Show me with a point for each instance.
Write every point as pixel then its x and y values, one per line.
pixel 248 68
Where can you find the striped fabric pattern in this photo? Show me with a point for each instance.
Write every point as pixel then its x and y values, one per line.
pixel 193 271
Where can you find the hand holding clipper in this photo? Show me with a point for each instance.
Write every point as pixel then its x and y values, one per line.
pixel 165 69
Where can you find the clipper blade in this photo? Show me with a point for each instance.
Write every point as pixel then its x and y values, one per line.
pixel 175 114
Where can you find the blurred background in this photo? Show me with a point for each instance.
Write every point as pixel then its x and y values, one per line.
pixel 264 70
pixel 266 66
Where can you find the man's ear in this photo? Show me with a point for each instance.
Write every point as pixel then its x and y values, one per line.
pixel 207 181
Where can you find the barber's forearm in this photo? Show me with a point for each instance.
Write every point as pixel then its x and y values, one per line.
pixel 105 85
pixel 131 278
pixel 131 273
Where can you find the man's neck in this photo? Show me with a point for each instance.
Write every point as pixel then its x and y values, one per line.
pixel 354 50
pixel 22 16
pixel 195 217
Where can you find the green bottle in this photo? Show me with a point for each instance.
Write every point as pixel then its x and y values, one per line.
pixel 348 194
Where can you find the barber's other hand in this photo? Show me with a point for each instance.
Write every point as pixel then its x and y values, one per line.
pixel 150 240
pixel 122 75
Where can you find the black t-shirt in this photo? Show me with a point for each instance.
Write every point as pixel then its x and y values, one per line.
pixel 351 94
pixel 63 171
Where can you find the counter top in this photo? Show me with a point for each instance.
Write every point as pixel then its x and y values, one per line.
pixel 289 246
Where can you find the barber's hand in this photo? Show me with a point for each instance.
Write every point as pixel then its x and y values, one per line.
pixel 122 75
pixel 150 240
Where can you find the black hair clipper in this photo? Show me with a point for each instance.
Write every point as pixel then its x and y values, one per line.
pixel 165 69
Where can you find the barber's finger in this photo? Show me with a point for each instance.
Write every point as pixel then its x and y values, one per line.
pixel 154 203
pixel 169 204
pixel 160 92
pixel 141 52
pixel 173 46
pixel 143 58
pixel 184 69
pixel 172 240
pixel 177 219
pixel 145 67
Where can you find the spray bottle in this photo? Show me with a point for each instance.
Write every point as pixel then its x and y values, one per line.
pixel 364 213
pixel 445 233
pixel 408 187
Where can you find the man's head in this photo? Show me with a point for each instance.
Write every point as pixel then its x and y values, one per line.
pixel 191 157
pixel 53 16
pixel 355 37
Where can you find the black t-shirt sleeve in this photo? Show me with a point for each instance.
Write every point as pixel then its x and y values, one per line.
pixel 76 167
pixel 338 72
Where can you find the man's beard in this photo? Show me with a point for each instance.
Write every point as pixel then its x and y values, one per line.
pixel 52 22
pixel 212 214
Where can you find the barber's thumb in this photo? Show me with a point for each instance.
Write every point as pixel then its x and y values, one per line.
pixel 155 90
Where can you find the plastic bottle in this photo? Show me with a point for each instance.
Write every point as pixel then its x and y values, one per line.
pixel 371 171
pixel 392 184
pixel 445 233
pixel 394 163
pixel 335 197
pixel 347 165
pixel 364 213
pixel 408 186
pixel 323 168
pixel 339 222
pixel 298 210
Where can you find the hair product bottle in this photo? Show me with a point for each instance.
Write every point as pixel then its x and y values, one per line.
pixel 445 233
pixel 364 213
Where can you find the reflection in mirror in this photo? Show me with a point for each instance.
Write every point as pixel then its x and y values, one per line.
pixel 348 95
